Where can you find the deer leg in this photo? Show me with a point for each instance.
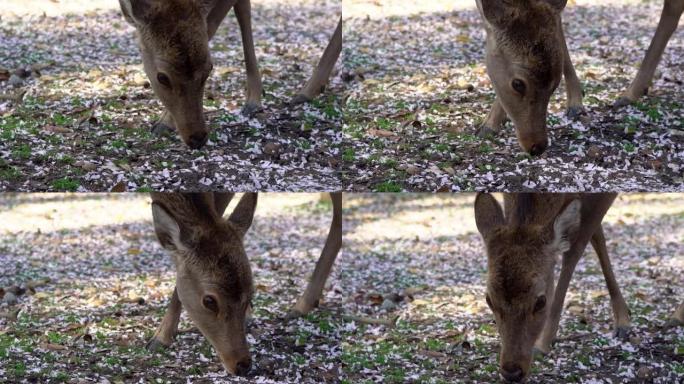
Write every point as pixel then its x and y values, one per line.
pixel 165 125
pixel 620 310
pixel 669 19
pixel 322 73
pixel 243 11
pixel 677 319
pixel 572 83
pixel 333 243
pixel 593 210
pixel 166 332
pixel 494 121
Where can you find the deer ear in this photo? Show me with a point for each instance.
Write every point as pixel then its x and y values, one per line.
pixel 496 12
pixel 566 225
pixel 242 216
pixel 221 201
pixel 137 11
pixel 557 5
pixel 167 229
pixel 488 214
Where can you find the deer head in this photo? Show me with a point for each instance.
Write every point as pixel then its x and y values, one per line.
pixel 525 62
pixel 213 276
pixel 520 278
pixel 173 40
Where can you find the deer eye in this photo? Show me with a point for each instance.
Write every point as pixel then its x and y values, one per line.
pixel 519 86
pixel 540 304
pixel 163 79
pixel 209 302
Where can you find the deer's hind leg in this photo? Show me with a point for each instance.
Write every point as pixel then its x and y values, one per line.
pixel 669 19
pixel 620 309
pixel 321 75
pixel 243 11
pixel 333 243
pixel 165 334
pixel 572 83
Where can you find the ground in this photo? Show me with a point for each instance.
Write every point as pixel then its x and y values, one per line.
pixel 78 115
pixel 418 260
pixel 418 90
pixel 109 282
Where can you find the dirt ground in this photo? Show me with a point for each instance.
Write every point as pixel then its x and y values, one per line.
pixel 79 116
pixel 414 105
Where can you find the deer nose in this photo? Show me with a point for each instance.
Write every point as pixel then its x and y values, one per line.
pixel 242 367
pixel 512 372
pixel 538 148
pixel 197 140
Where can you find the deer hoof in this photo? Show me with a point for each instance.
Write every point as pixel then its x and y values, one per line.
pixel 300 98
pixel 538 353
pixel 485 131
pixel 575 112
pixel 622 333
pixel 155 345
pixel 622 101
pixel 161 129
pixel 674 323
pixel 293 314
pixel 250 109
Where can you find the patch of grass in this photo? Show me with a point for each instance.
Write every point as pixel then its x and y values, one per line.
pixel 65 184
pixel 23 152
pixel 348 155
pixel 388 186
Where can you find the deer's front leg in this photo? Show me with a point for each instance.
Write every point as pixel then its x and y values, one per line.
pixel 669 19
pixel 243 11
pixel 322 73
pixel 494 121
pixel 166 332
pixel 593 210
pixel 620 310
pixel 572 83
pixel 165 125
pixel 333 243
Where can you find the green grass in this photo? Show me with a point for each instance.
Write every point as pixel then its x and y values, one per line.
pixel 65 184
pixel 388 186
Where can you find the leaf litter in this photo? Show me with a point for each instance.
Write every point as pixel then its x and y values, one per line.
pixel 76 107
pixel 419 257
pixel 418 90
pixel 96 287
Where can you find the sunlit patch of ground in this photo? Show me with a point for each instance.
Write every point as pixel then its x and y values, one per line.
pixel 109 282
pixel 420 90
pixel 420 258
pixel 81 119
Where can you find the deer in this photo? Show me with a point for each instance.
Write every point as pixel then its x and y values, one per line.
pixel 214 281
pixel 527 55
pixel 173 37
pixel 522 241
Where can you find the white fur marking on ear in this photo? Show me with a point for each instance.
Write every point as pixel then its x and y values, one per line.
pixel 565 225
